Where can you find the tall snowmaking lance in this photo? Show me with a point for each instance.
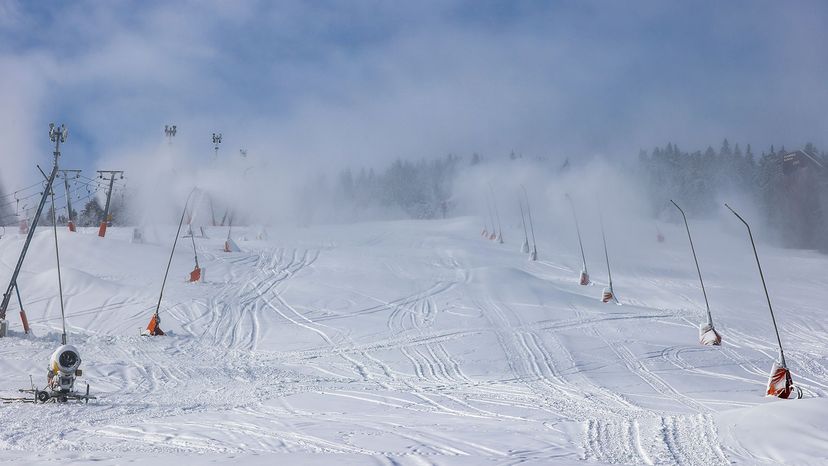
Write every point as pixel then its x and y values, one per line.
pixel 584 278
pixel 534 255
pixel 780 383
pixel 154 327
pixel 524 248
pixel 492 235
pixel 229 244
pixel 499 236
pixel 707 333
pixel 608 294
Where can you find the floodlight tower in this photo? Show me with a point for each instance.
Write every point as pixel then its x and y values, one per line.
pixel 56 135
pixel 106 219
pixel 66 173
pixel 216 142
pixel 169 131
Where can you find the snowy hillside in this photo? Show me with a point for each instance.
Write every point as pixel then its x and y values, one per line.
pixel 418 342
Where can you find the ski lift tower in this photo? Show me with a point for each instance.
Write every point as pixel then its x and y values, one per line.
pixel 106 219
pixel 66 173
pixel 56 135
pixel 216 143
pixel 169 131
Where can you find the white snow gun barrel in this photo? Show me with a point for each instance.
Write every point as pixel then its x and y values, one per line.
pixel 780 383
pixel 584 280
pixel 707 333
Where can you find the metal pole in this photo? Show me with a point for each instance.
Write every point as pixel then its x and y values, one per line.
pixel 578 230
pixel 497 214
pixel 523 219
pixel 489 208
pixel 698 269
pixel 60 282
pixel 606 254
pixel 109 197
pixel 175 242
pixel 68 197
pixel 531 225
pixel 764 286
pixel 57 136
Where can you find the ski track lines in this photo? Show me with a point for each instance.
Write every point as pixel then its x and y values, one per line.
pixel 234 311
pixel 683 440
pixel 407 368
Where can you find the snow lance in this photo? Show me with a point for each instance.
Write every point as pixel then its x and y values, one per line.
pixel 608 293
pixel 229 244
pixel 499 236
pixel 534 255
pixel 491 234
pixel 707 333
pixel 524 248
pixel 584 279
pixel 154 327
pixel 780 383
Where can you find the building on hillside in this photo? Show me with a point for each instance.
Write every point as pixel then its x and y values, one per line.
pixel 799 159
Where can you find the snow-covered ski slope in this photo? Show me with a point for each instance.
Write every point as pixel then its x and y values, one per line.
pixel 417 342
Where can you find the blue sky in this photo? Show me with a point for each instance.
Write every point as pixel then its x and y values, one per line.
pixel 363 82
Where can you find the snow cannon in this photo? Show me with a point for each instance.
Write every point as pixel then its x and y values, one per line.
pixel 63 368
pixel 231 246
pixel 71 226
pixel 154 327
pixel 780 383
pixel 584 278
pixel 607 295
pixel 708 335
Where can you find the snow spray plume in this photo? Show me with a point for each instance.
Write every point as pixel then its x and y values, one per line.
pixel 780 383
pixel 708 334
